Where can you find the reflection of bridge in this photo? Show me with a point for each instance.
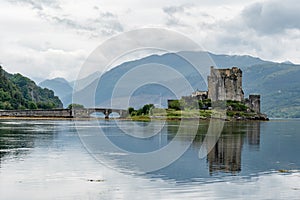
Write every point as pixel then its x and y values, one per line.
pixel 64 113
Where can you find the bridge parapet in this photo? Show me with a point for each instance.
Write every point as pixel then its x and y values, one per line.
pixel 63 113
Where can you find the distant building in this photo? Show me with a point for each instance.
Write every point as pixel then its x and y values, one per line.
pixel 200 94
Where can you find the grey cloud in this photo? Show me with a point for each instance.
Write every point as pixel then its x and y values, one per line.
pixel 173 12
pixel 106 24
pixel 173 21
pixel 170 10
pixel 272 17
pixel 109 23
pixel 109 27
pixel 108 15
pixel 184 15
pixel 38 4
pixel 63 21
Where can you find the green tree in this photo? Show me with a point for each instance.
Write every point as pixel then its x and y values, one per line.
pixel 32 105
pixel 75 106
pixel 17 92
pixel 147 108
pixel 175 104
pixel 130 110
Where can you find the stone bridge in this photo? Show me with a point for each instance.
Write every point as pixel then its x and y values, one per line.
pixel 86 112
pixel 63 113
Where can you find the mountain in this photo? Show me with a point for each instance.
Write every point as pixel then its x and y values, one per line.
pixel 64 89
pixel 103 88
pixel 60 86
pixel 19 92
pixel 287 62
pixel 84 82
pixel 279 86
pixel 277 83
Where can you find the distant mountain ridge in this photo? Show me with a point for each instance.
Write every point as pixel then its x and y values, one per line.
pixel 277 83
pixel 60 86
pixel 64 89
pixel 19 92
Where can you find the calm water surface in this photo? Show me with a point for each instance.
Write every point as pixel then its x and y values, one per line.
pixel 47 160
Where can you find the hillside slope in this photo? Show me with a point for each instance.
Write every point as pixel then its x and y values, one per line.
pixel 19 92
pixel 60 86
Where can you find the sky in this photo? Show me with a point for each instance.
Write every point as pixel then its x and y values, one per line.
pixel 53 38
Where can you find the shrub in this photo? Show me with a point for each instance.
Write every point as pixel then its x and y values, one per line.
pixel 75 105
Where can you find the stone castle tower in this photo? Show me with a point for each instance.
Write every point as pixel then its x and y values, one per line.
pixel 253 102
pixel 225 84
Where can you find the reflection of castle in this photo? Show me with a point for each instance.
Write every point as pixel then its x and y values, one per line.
pixel 253 135
pixel 226 155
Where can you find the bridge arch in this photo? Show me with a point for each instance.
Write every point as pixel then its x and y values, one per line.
pixel 87 112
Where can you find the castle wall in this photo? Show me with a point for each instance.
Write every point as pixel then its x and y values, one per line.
pixel 225 84
pixel 253 102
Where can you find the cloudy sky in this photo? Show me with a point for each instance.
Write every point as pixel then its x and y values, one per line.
pixel 52 38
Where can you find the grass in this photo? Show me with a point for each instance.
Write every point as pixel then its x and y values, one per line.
pixel 170 114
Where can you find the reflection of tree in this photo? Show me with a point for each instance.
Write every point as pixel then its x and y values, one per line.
pixel 17 142
pixel 14 143
pixel 1 155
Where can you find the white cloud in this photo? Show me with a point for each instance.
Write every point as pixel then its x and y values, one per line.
pixel 46 38
pixel 253 32
pixel 271 17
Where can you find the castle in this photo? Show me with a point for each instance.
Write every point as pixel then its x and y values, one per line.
pixel 224 85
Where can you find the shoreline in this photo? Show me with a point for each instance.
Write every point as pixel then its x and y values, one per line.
pixel 145 119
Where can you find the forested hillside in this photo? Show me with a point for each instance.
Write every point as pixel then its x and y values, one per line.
pixel 19 92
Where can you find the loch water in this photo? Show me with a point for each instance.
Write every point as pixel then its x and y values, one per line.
pixel 65 159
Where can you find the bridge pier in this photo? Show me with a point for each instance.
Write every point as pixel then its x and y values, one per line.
pixel 107 112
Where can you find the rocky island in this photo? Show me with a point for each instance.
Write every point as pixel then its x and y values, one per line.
pixel 224 88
